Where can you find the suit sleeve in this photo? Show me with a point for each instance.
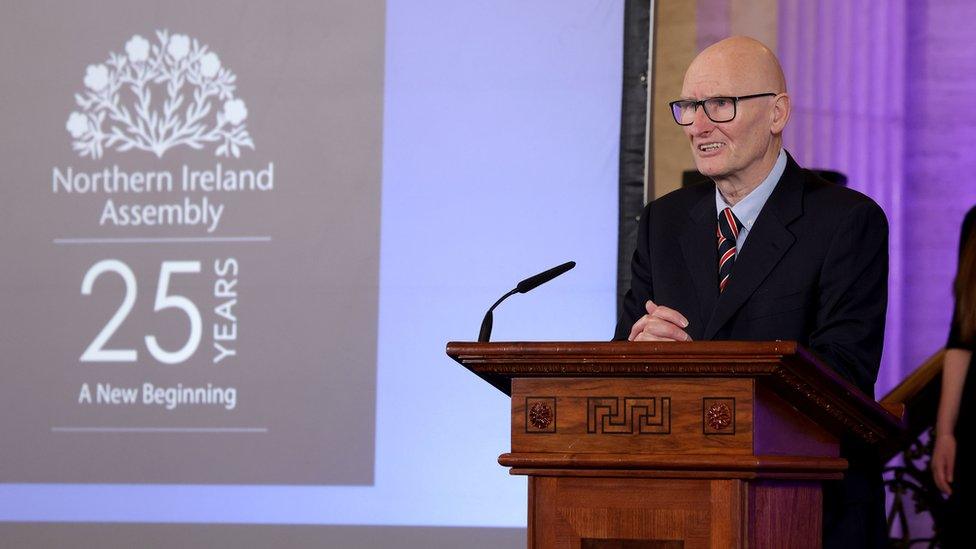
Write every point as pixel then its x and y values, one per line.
pixel 641 286
pixel 853 297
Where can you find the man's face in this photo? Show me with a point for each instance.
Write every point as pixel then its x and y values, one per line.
pixel 735 149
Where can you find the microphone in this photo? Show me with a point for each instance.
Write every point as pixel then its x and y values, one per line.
pixel 522 287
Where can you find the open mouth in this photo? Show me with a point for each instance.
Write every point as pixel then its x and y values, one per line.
pixel 709 147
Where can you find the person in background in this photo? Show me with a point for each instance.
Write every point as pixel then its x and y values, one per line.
pixel 954 456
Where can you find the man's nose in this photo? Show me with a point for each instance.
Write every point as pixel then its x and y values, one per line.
pixel 701 123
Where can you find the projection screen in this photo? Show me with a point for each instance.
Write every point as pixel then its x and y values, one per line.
pixel 238 234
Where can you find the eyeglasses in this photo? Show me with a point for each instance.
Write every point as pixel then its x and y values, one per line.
pixel 717 109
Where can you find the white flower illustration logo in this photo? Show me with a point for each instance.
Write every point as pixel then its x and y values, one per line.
pixel 179 46
pixel 195 103
pixel 77 124
pixel 137 48
pixel 209 65
pixel 235 111
pixel 96 77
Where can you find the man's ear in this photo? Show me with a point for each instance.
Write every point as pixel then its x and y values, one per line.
pixel 780 113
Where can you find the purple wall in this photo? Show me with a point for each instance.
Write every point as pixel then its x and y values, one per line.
pixel 882 92
pixel 845 68
pixel 939 166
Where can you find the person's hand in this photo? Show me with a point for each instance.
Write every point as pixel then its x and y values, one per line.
pixel 943 462
pixel 659 324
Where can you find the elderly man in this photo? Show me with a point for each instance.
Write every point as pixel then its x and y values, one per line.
pixel 767 251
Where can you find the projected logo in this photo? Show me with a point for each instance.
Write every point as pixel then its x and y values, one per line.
pixel 189 304
pixel 157 96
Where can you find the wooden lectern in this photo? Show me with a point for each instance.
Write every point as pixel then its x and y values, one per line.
pixel 651 445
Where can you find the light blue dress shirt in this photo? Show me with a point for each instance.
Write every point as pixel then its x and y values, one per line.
pixel 747 209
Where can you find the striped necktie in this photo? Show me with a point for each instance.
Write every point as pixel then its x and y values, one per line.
pixel 728 230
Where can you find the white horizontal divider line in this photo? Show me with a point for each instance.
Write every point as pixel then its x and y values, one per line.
pixel 160 240
pixel 159 429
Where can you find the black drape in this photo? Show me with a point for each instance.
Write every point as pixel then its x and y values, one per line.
pixel 633 135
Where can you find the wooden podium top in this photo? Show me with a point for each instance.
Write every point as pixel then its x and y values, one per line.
pixel 789 369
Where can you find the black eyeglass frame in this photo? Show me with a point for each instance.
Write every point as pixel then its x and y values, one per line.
pixel 735 106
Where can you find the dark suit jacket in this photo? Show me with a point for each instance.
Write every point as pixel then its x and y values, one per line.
pixel 813 269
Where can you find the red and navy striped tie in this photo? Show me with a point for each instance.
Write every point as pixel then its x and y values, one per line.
pixel 728 230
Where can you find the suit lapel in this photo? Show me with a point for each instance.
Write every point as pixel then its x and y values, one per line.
pixel 767 243
pixel 700 250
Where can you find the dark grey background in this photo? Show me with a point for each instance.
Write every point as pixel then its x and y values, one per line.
pixel 312 79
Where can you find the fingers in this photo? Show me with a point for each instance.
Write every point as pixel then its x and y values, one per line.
pixel 638 327
pixel 943 464
pixel 657 329
pixel 939 475
pixel 659 324
pixel 670 315
pixel 949 467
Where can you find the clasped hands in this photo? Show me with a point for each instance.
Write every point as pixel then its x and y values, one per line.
pixel 659 324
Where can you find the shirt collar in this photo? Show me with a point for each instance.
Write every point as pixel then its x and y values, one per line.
pixel 747 209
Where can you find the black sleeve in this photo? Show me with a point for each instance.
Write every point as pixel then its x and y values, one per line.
pixel 968 231
pixel 641 287
pixel 849 330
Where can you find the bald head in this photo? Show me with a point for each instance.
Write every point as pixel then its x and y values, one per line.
pixel 739 66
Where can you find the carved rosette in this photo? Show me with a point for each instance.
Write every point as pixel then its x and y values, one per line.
pixel 718 416
pixel 540 415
